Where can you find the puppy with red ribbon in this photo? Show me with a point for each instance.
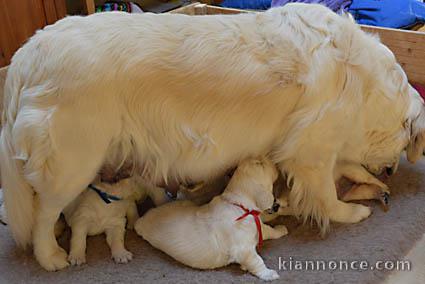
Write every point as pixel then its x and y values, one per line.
pixel 226 230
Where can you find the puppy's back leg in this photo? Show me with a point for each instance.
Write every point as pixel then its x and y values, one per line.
pixel 77 252
pixel 251 261
pixel 270 233
pixel 132 215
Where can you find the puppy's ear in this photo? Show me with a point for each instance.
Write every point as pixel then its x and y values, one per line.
pixel 263 196
pixel 416 146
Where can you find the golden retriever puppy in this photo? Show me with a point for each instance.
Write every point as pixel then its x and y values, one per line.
pixel 186 98
pixel 106 208
pixel 223 231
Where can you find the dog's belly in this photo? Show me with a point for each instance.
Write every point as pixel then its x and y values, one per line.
pixel 194 140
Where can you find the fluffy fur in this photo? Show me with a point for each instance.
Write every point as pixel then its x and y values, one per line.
pixel 216 238
pixel 89 215
pixel 188 98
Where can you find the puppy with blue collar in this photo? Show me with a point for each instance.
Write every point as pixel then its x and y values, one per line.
pixel 107 208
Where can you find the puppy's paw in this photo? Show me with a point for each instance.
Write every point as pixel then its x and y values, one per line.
pixel 268 275
pixel 280 231
pixel 77 259
pixel 55 261
pixel 122 256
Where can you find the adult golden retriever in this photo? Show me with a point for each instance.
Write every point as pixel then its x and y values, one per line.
pixel 187 98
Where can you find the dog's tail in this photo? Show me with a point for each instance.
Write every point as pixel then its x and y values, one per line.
pixel 18 194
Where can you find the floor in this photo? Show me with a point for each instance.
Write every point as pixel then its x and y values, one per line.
pixel 394 235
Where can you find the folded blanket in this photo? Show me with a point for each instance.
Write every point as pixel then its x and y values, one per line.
pixel 335 5
pixel 388 13
pixel 247 4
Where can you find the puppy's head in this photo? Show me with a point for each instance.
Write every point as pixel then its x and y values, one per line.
pixel 254 178
pixel 279 204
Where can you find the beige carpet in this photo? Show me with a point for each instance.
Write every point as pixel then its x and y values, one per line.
pixel 384 236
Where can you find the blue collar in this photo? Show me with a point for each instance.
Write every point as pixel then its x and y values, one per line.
pixel 108 198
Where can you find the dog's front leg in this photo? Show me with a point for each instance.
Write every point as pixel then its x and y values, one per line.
pixel 367 186
pixel 358 174
pixel 251 261
pixel 313 193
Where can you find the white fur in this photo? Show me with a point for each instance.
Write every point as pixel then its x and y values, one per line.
pixel 189 97
pixel 209 236
pixel 89 215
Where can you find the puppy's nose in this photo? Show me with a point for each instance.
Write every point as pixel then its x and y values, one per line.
pixel 275 207
pixel 389 171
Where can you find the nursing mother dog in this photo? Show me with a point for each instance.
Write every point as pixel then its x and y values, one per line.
pixel 185 98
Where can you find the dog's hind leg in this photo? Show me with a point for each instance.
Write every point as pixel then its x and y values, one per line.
pixel 51 200
pixel 77 150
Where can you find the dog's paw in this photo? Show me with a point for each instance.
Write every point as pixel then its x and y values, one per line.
pixel 55 261
pixel 268 275
pixel 360 212
pixel 349 212
pixel 280 231
pixel 122 256
pixel 76 259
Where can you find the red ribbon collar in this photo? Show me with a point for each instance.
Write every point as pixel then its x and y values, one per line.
pixel 256 215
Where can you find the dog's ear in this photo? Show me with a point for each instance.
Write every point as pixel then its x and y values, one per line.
pixel 416 146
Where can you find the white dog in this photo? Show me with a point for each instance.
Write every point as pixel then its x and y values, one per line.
pixel 221 232
pixel 90 214
pixel 186 98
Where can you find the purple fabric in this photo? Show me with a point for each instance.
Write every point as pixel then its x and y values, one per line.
pixel 335 5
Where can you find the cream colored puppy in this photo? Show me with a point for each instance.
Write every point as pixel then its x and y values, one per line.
pixel 221 232
pixel 90 215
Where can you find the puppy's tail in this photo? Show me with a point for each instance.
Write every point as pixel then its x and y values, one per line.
pixel 18 194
